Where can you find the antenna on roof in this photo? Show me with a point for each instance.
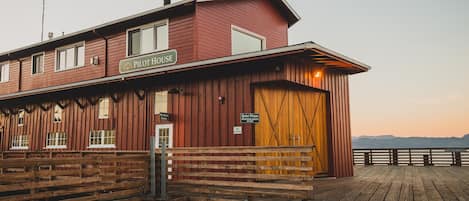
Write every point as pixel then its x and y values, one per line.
pixel 43 11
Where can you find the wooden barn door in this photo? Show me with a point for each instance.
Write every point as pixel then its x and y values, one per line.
pixel 293 117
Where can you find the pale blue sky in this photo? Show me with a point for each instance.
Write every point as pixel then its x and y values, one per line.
pixel 419 51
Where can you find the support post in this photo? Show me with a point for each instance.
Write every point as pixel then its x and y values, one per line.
pixel 152 167
pixel 163 171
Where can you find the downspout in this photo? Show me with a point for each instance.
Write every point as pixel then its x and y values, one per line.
pixel 20 66
pixel 106 52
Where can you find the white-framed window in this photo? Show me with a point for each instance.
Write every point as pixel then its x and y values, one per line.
pixel 161 102
pixel 4 72
pixel 37 63
pixel 102 139
pixel 103 108
pixel 20 142
pixel 57 114
pixel 70 57
pixel 56 140
pixel 21 117
pixel 148 38
pixel 243 41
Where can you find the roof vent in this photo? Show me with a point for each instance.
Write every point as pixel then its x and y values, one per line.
pixel 166 2
pixel 50 35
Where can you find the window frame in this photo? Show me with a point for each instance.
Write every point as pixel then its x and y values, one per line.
pixel 22 118
pixel 75 55
pixel 249 33
pixel 43 62
pixel 2 64
pixel 13 147
pixel 101 116
pixel 102 145
pixel 155 103
pixel 56 146
pixel 145 26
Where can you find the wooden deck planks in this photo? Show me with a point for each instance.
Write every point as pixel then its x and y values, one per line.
pixel 392 183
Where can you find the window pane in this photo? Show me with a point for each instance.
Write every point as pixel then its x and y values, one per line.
pixel 148 41
pixel 242 43
pixel 57 113
pixel 80 56
pixel 38 64
pixel 103 108
pixel 134 42
pixel 70 60
pixel 162 37
pixel 61 62
pixel 161 102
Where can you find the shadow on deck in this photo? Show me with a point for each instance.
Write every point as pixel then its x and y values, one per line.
pixel 405 183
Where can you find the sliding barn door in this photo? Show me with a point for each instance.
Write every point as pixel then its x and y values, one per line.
pixel 293 117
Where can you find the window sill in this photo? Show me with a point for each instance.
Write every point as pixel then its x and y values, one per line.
pixel 69 69
pixel 19 148
pixel 102 146
pixel 139 55
pixel 2 82
pixel 103 118
pixel 55 147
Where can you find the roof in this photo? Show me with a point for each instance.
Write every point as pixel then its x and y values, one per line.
pixel 312 50
pixel 283 5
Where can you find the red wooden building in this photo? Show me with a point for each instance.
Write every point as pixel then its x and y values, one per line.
pixel 193 73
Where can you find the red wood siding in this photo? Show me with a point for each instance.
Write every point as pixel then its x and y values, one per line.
pixel 214 20
pixel 337 84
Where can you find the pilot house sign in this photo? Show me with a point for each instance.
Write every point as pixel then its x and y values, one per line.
pixel 155 60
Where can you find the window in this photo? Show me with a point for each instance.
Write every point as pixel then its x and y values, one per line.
pixel 38 63
pixel 20 142
pixel 103 108
pixel 70 57
pixel 57 140
pixel 161 102
pixel 102 139
pixel 243 41
pixel 148 38
pixel 4 72
pixel 58 114
pixel 20 117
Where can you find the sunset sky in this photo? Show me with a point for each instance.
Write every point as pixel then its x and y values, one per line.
pixel 419 51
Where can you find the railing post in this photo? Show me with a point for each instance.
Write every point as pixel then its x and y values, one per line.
pixel 163 177
pixel 152 167
pixel 431 157
pixel 426 161
pixel 457 157
pixel 395 157
pixel 367 158
pixel 410 157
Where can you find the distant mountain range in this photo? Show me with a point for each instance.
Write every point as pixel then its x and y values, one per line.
pixel 390 141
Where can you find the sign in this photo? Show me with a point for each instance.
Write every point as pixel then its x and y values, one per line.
pixel 249 118
pixel 165 117
pixel 237 130
pixel 155 60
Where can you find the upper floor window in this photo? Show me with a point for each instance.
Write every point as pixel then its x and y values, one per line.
pixel 243 41
pixel 20 117
pixel 58 114
pixel 70 57
pixel 161 102
pixel 103 108
pixel 20 142
pixel 4 72
pixel 148 38
pixel 37 63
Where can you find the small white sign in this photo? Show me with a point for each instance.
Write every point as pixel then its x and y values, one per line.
pixel 238 130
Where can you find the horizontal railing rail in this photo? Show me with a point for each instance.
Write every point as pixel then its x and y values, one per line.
pixel 412 156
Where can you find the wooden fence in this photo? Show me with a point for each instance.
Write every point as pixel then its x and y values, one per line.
pixel 73 175
pixel 413 156
pixel 241 171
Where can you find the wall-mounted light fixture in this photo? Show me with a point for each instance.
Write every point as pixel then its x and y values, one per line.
pixel 221 99
pixel 317 74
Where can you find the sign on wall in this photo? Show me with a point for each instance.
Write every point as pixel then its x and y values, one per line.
pixel 249 118
pixel 237 130
pixel 165 117
pixel 155 60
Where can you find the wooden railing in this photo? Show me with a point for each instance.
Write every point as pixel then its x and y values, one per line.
pixel 412 156
pixel 73 175
pixel 241 171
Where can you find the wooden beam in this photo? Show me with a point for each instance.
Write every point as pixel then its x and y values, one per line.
pixel 80 103
pixel 140 94
pixel 92 100
pixel 45 106
pixel 116 97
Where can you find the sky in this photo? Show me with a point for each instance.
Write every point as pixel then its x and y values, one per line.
pixel 418 50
